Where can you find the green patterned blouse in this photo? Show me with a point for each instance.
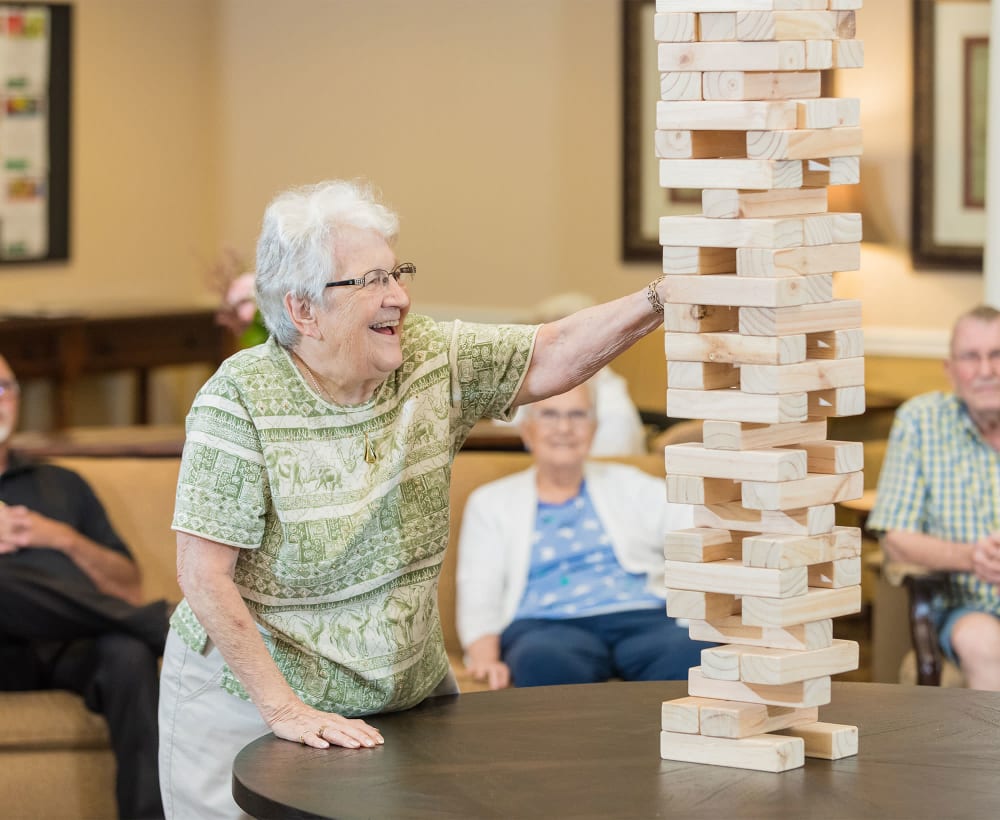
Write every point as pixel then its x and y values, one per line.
pixel 340 558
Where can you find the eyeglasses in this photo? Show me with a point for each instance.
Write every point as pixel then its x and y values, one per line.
pixel 8 389
pixel 551 418
pixel 403 273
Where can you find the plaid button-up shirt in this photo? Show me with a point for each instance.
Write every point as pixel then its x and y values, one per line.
pixel 941 478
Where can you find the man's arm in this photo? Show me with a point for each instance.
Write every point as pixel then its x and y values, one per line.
pixel 569 351
pixel 112 572
pixel 981 557
pixel 205 573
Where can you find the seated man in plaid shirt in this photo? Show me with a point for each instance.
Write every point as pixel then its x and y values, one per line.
pixel 939 494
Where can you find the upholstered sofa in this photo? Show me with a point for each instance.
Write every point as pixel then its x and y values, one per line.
pixel 55 761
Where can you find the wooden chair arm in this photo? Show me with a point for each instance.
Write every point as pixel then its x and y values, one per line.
pixel 923 588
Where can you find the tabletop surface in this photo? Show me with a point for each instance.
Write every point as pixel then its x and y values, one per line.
pixel 593 751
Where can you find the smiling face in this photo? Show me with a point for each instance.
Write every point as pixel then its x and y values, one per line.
pixel 974 368
pixel 559 430
pixel 360 328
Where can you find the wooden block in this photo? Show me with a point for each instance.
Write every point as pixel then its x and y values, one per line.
pixel 846 54
pixel 703 606
pixel 760 85
pixel 819 54
pixel 817 173
pixel 693 489
pixel 841 401
pixel 682 715
pixel 735 56
pixel 845 4
pixel 777 666
pixel 732 204
pixel 827 741
pixel 699 318
pixel 764 174
pixel 675 28
pixel 845 572
pixel 702 375
pixel 718 663
pixel 805 492
pixel 691 458
pixel 733 405
pixel 717 26
pixel 733 516
pixel 763 753
pixel 739 291
pixel 748 5
pixel 814 374
pixel 804 144
pixel 801 694
pixel 774 232
pixel 832 456
pixel 700 144
pixel 813 318
pixel 728 115
pixel 815 605
pixel 828 112
pixel 731 629
pixel 831 229
pixel 781 551
pixel 794 25
pixel 699 545
pixel 679 260
pixel 680 85
pixel 723 718
pixel 835 344
pixel 732 348
pixel 733 578
pixel 798 261
pixel 731 435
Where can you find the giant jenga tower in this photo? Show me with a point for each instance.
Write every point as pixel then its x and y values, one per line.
pixel 759 348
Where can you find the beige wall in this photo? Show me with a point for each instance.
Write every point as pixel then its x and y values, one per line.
pixel 493 127
pixel 143 162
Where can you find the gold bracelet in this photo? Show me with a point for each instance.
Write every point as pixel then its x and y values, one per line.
pixel 653 296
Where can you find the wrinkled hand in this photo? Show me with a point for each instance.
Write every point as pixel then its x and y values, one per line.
pixel 21 527
pixel 495 673
pixel 986 558
pixel 311 727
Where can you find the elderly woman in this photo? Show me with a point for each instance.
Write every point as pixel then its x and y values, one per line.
pixel 560 567
pixel 312 504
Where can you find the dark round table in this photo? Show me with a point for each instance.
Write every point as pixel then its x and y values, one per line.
pixel 593 752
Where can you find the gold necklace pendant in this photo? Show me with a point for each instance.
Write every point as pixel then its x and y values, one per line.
pixel 371 457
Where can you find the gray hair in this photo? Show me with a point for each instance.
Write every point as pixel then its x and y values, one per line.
pixel 980 313
pixel 297 247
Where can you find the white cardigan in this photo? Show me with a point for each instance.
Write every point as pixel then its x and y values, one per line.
pixel 494 548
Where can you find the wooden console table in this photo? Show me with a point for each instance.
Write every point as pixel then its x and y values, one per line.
pixel 64 348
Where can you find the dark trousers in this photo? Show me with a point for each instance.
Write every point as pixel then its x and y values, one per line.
pixel 104 650
pixel 642 644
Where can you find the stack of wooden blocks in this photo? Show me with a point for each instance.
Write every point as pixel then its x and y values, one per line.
pixel 758 346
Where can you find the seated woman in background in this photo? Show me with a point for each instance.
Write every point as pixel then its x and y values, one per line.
pixel 560 567
pixel 619 426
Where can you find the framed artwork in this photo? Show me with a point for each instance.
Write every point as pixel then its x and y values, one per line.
pixel 951 67
pixel 643 200
pixel 35 41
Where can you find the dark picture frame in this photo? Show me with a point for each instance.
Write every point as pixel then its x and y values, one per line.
pixel 643 200
pixel 949 144
pixel 59 117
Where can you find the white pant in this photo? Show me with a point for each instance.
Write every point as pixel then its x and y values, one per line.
pixel 203 728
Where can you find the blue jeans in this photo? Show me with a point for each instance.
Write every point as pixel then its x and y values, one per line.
pixel 641 644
